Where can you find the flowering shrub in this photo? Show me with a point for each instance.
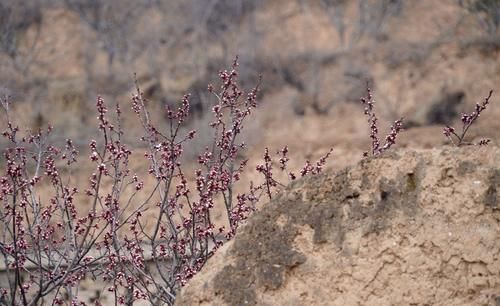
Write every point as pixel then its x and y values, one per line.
pixel 49 243
pixel 376 146
pixel 467 120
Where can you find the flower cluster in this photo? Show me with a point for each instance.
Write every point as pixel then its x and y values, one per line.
pixel 376 146
pixel 458 138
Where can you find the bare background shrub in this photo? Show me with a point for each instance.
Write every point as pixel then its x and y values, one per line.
pixel 486 11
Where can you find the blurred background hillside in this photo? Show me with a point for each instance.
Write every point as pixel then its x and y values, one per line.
pixel 426 60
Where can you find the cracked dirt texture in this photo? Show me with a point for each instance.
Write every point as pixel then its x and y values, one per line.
pixel 407 228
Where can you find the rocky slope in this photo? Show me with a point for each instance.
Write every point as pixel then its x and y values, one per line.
pixel 407 228
pixel 426 60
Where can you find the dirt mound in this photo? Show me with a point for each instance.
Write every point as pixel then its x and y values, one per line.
pixel 411 227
